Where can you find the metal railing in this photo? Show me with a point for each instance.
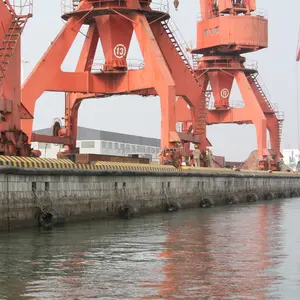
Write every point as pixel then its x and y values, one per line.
pixel 99 65
pixel 67 6
pixel 233 103
pixel 260 12
pixel 22 7
pixel 229 64
pixel 264 88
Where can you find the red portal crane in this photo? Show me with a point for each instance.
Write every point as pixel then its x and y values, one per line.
pixel 13 17
pixel 164 72
pixel 227 29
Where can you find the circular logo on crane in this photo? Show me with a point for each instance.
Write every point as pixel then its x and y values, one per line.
pixel 225 93
pixel 120 51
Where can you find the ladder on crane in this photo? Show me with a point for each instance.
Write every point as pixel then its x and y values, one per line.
pixel 201 114
pixel 13 34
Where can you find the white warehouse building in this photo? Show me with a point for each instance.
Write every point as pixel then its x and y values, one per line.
pixel 92 141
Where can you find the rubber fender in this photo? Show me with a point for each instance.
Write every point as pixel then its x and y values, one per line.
pixel 206 203
pixel 252 197
pixel 126 211
pixel 172 206
pixel 232 200
pixel 49 218
pixel 46 220
pixel 294 194
pixel 269 196
pixel 281 195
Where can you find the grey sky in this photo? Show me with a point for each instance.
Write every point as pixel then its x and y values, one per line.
pixel 141 116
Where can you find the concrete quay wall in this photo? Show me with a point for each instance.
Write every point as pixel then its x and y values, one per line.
pixel 83 195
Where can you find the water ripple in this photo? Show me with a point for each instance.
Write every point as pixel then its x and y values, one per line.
pixel 238 252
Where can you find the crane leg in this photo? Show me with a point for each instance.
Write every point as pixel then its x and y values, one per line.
pixel 47 68
pixel 256 115
pixel 158 72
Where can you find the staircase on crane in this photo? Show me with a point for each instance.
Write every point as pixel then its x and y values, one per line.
pixel 261 91
pixel 201 114
pixel 12 37
pixel 271 108
pixel 178 47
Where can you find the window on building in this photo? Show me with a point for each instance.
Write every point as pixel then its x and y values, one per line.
pixel 88 144
pixel 127 147
pixel 103 144
pixel 110 145
pixel 122 146
pixel 142 149
pixel 138 149
pixel 157 150
pixel 217 30
pixel 205 32
pixel 211 31
pixel 152 150
pixel 147 150
pixel 116 146
pixel 133 148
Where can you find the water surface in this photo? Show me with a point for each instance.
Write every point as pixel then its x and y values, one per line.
pixel 234 252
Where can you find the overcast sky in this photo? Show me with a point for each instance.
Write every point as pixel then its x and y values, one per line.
pixel 141 116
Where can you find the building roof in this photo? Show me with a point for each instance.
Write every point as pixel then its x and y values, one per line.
pixel 84 134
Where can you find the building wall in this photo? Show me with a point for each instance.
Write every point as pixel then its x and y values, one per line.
pixel 86 195
pixel 101 147
pixel 125 149
pixel 47 150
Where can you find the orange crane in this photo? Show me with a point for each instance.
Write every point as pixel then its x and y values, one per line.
pixel 165 70
pixel 13 16
pixel 227 29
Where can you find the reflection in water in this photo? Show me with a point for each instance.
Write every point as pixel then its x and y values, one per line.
pixel 237 252
pixel 230 254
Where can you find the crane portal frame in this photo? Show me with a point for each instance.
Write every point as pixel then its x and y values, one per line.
pixel 166 71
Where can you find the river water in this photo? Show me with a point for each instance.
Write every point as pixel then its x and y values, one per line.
pixel 234 252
